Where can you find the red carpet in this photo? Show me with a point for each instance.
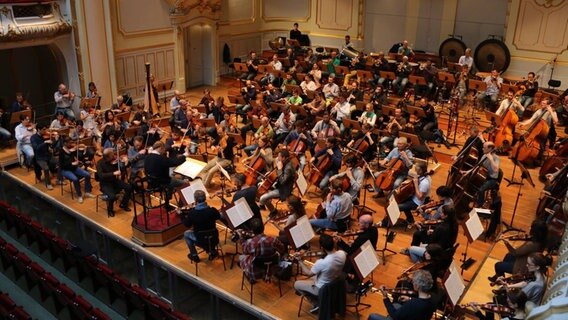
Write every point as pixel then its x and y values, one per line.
pixel 156 221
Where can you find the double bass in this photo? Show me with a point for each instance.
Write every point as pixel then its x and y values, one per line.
pixel 504 133
pixel 527 149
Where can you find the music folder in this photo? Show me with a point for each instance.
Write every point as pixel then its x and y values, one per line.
pixel 188 192
pixel 238 213
pixel 472 226
pixel 453 283
pixel 392 211
pixel 190 168
pixel 299 232
pixel 364 260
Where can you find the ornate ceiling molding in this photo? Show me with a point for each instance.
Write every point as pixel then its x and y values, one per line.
pixel 549 3
pixel 184 7
pixel 19 29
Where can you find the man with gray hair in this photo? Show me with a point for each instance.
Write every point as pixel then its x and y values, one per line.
pixel 202 218
pixel 64 101
pixel 420 308
pixel 108 174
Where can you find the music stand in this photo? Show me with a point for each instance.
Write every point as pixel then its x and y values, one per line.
pixel 90 102
pixel 15 116
pixel 417 80
pixel 416 111
pixel 525 175
pixel 389 76
pixel 388 110
pixel 299 109
pixel 237 213
pixel 165 86
pixel 351 124
pixel 364 260
pixel 293 43
pixel 237 137
pixel 190 168
pixel 473 229
pixel 393 214
pixel 362 207
pixel 123 116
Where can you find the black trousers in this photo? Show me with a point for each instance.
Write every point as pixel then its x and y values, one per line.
pixel 112 189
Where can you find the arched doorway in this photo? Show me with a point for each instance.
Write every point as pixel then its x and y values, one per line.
pixel 36 71
pixel 199 55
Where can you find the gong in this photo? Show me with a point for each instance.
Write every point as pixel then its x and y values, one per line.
pixel 452 49
pixel 492 54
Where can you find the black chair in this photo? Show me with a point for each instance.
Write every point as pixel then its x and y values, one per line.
pixel 262 266
pixel 211 238
pixel 332 299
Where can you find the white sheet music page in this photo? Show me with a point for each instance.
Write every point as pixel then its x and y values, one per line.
pixel 454 284
pixel 239 213
pixel 474 225
pixel 190 168
pixel 392 211
pixel 302 183
pixel 188 191
pixel 367 259
pixel 302 232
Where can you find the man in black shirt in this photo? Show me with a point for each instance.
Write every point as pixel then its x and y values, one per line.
pixel 420 308
pixel 157 168
pixel 295 33
pixel 108 173
pixel 44 160
pixel 201 218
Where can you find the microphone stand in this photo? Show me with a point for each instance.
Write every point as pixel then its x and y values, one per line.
pixel 512 180
pixel 363 208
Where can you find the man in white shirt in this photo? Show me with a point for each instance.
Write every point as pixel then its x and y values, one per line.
pixel 24 131
pixel 325 271
pixel 342 110
pixel 466 59
pixel 330 90
pixel 174 103
pixel 64 101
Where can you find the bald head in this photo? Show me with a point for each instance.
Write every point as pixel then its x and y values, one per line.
pixel 365 221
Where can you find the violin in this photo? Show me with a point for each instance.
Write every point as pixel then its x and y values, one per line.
pixel 429 205
pixel 491 307
pixel 241 234
pixel 354 233
pixel 412 268
pixel 308 254
pixel 397 291
pixel 516 278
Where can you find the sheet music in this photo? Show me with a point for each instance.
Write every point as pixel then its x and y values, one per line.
pixel 366 261
pixel 473 224
pixel 392 211
pixel 484 211
pixel 239 213
pixel 190 168
pixel 302 232
pixel 223 171
pixel 302 183
pixel 454 284
pixel 188 191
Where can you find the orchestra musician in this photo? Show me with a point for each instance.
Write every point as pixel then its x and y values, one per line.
pixel 120 106
pixel 86 153
pixel 174 102
pixel 264 130
pixel 490 161
pixel 257 248
pixel 427 124
pixel 206 101
pixel 368 117
pixel 252 66
pixel 64 101
pixel 308 85
pixel 289 80
pixel 23 132
pixel 265 152
pixel 59 122
pixel 354 174
pixel 337 206
pixel 379 99
pixel 475 137
pixel 109 126
pixel 296 209
pixel 422 185
pixel 462 83
pixel 516 301
pixel 491 93
pixel 380 64
pixel 295 33
pixel 4 134
pixel 270 77
pixel 333 61
pixel 420 308
pixel 109 171
pixel 175 144
pixel 396 123
pixel 515 261
pixel 529 89
pixel 284 184
pixel 248 92
pixel 315 73
pixel 285 123
pixel 402 152
pixel 403 70
pixel 429 73
pixel 247 192
pixel 537 265
pixel 405 49
pixel 224 154
pixel 89 115
pixel 44 160
pixel 299 134
pixel 70 169
pixel 20 104
pixel 341 110
pixel 367 134
pixel 548 114
pixel 445 235
pixel 434 212
pixel 325 270
pixel 330 89
pixel 136 155
pixel 466 60
pixel 92 90
pixel 200 218
pixel 357 63
pixel 347 44
pixel 332 150
pixel 180 115
pixel 510 102
pixel 325 128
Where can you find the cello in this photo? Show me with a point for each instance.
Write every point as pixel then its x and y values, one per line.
pixel 555 162
pixel 255 168
pixel 386 178
pixel 319 168
pixel 528 147
pixel 504 134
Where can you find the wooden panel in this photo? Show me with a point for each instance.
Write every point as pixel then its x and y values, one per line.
pixel 290 10
pixel 541 26
pixel 334 14
pixel 131 72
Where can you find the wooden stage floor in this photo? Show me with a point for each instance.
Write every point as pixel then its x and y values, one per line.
pixel 285 307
